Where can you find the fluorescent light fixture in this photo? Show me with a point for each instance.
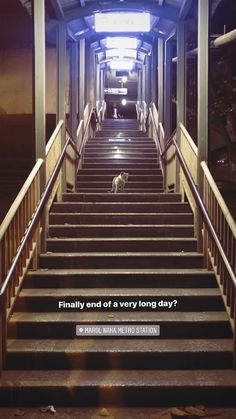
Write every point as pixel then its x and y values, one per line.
pixel 121 65
pixel 81 32
pixel 122 42
pixel 122 22
pixel 121 53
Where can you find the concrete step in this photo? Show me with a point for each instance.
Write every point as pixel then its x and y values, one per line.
pixel 127 125
pixel 106 133
pixel 173 324
pixel 121 218
pixel 111 353
pixel 121 197
pixel 120 165
pixel 123 207
pixel 127 190
pixel 138 299
pixel 102 146
pixel 126 244
pixel 121 159
pixel 123 143
pixel 97 177
pixel 118 387
pixel 119 154
pixel 119 230
pixel 108 184
pixel 109 171
pixel 111 138
pixel 121 259
pixel 103 278
pixel 132 278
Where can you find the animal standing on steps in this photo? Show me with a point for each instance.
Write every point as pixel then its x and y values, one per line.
pixel 118 182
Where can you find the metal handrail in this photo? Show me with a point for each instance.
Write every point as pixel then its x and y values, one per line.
pixel 85 133
pixel 197 197
pixel 169 141
pixel 42 202
pixel 31 229
pixel 37 214
pixel 204 213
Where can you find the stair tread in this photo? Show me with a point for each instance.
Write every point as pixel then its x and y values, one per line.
pixel 123 194
pixel 158 204
pixel 109 271
pixel 120 213
pixel 120 345
pixel 123 254
pixel 204 379
pixel 118 317
pixel 127 292
pixel 120 239
pixel 119 225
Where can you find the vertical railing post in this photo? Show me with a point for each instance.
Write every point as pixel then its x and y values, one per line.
pixel 81 77
pixel 39 101
pixel 61 89
pixel 167 89
pixel 74 93
pixel 181 89
pixel 160 80
pixel 203 46
pixel 74 86
pixel 3 330
pixel 154 74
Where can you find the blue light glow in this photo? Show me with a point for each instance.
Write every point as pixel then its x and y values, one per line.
pixel 121 53
pixel 121 65
pixel 121 42
pixel 122 22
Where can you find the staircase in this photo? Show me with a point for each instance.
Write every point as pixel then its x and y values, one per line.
pixel 133 247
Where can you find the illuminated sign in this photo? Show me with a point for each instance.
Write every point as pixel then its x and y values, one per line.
pixel 116 91
pixel 121 42
pixel 122 22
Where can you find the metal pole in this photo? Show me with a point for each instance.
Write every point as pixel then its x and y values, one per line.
pixel 167 89
pixel 225 39
pixel 61 88
pixel 74 87
pixel 161 80
pixel 148 80
pixel 181 88
pixel 39 102
pixel 98 80
pixel 81 77
pixel 102 76
pixel 154 73
pixel 203 44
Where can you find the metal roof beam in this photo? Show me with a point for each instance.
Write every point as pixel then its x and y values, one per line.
pixel 185 7
pixel 148 37
pixel 57 9
pixel 166 12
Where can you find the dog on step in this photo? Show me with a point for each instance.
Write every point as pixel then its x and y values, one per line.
pixel 118 182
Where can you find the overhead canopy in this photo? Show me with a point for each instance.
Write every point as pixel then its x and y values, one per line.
pixel 80 18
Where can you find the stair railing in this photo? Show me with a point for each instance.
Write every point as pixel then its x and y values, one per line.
pixel 101 111
pixel 24 228
pixel 142 112
pixel 219 228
